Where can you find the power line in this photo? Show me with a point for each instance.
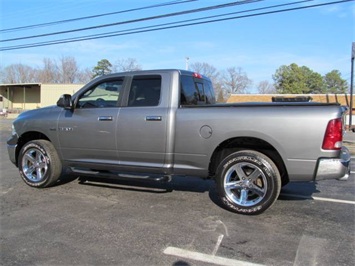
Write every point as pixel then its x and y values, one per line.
pixel 95 16
pixel 166 26
pixel 137 20
pixel 134 30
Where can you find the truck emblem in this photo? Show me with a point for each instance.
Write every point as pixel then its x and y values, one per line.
pixel 65 129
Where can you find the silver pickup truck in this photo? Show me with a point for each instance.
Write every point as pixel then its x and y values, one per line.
pixel 163 123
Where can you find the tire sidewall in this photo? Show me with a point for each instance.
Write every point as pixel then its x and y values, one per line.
pixel 47 177
pixel 265 165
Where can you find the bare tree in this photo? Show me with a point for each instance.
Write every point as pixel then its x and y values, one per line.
pixel 68 69
pixel 205 69
pixel 84 76
pixel 18 73
pixel 49 72
pixel 209 71
pixel 235 80
pixel 129 64
pixel 265 87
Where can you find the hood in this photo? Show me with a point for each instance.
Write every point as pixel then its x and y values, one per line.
pixel 35 112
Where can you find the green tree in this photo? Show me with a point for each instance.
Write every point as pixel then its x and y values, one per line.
pixel 297 80
pixel 334 83
pixel 103 68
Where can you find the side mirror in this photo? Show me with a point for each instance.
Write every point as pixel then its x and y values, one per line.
pixel 65 102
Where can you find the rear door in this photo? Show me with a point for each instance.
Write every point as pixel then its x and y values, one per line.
pixel 142 124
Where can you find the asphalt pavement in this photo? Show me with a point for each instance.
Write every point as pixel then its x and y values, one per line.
pixel 90 222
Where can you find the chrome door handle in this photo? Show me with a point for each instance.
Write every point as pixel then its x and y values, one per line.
pixel 153 118
pixel 105 118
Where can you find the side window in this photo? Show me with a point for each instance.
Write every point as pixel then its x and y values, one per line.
pixel 189 93
pixel 196 91
pixel 201 92
pixel 102 95
pixel 145 91
pixel 209 91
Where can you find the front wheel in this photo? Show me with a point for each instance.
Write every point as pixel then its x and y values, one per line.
pixel 248 182
pixel 39 164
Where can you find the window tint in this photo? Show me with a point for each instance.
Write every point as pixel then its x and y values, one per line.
pixel 196 91
pixel 145 91
pixel 103 95
pixel 189 93
pixel 209 91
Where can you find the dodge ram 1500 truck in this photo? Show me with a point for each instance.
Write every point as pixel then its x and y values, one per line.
pixel 165 123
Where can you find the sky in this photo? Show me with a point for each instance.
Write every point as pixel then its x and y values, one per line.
pixel 319 37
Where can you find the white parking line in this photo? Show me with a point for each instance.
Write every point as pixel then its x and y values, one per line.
pixel 186 254
pixel 319 198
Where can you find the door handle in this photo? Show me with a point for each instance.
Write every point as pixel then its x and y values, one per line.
pixel 153 118
pixel 105 118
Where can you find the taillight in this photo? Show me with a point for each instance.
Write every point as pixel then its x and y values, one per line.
pixel 197 75
pixel 333 138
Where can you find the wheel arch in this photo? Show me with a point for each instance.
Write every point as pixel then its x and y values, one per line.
pixel 232 145
pixel 25 138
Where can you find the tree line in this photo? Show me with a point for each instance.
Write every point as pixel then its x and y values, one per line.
pixel 291 79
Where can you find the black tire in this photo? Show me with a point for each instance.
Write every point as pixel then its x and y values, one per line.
pixel 39 164
pixel 248 182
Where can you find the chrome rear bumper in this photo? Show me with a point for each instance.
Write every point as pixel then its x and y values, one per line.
pixel 334 168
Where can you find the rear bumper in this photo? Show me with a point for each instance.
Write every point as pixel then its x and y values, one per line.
pixel 334 168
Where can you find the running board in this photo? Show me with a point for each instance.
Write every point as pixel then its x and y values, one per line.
pixel 128 176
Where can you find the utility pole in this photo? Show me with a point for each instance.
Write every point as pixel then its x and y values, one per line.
pixel 351 85
pixel 187 62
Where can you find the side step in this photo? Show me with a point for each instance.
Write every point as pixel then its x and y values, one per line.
pixel 117 175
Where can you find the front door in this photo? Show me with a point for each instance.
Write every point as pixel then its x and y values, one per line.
pixel 88 133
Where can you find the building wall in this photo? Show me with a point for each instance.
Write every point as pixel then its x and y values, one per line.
pixel 20 97
pixel 50 93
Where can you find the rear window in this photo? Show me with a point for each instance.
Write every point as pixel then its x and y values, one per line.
pixel 195 91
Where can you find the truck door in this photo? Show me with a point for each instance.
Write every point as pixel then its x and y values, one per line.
pixel 88 133
pixel 142 124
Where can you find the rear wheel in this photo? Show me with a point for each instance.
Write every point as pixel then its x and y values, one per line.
pixel 248 182
pixel 39 164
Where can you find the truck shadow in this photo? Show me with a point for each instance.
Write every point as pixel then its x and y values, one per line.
pixel 291 192
pixel 298 191
pixel 178 183
pixel 150 186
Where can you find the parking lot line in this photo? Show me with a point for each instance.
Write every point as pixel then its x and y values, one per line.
pixel 197 256
pixel 318 198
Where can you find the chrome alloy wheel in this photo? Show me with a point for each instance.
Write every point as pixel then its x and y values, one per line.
pixel 35 165
pixel 245 184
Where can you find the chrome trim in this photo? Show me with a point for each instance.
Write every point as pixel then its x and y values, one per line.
pixel 105 118
pixel 334 168
pixel 153 118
